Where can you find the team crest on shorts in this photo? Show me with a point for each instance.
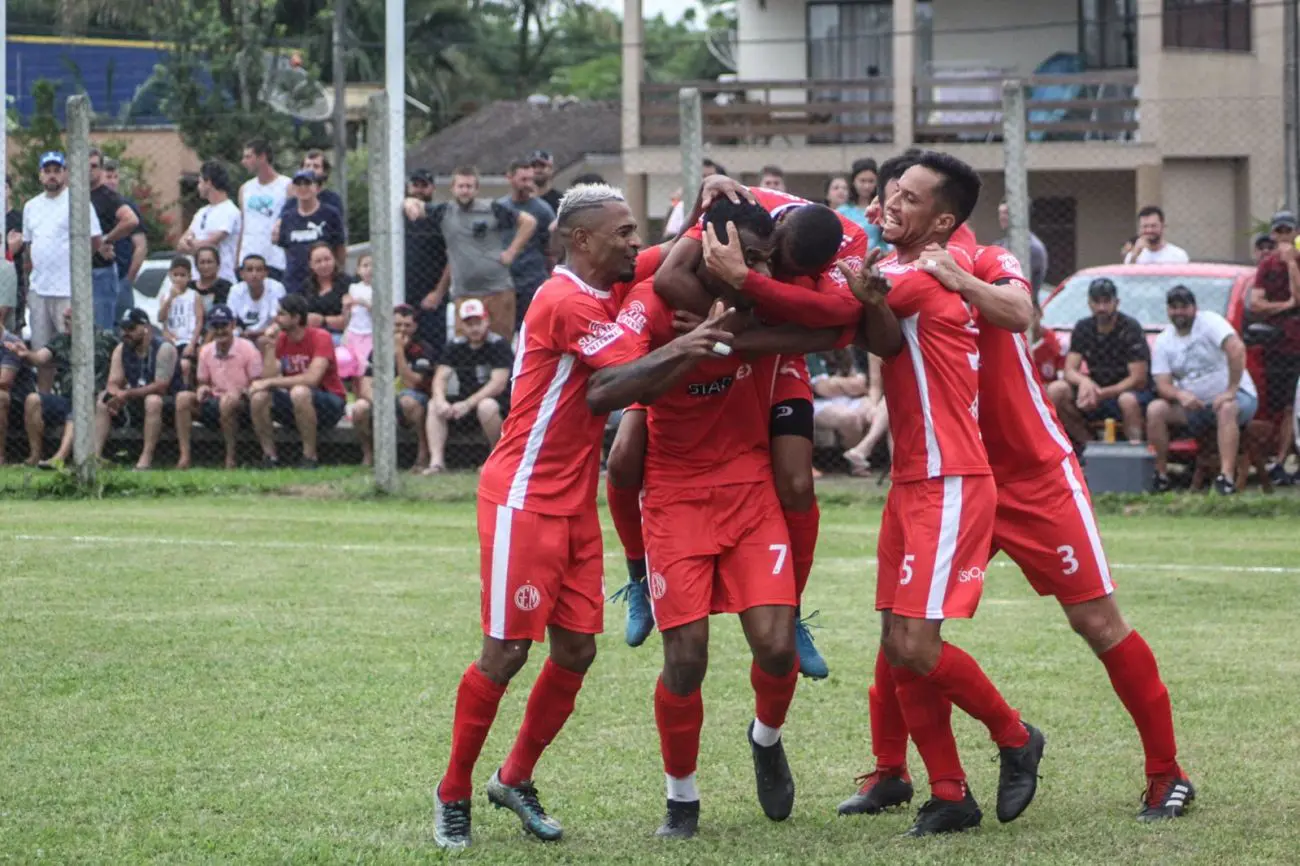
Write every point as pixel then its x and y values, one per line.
pixel 658 586
pixel 527 597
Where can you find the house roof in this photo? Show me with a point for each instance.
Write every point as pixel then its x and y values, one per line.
pixel 495 135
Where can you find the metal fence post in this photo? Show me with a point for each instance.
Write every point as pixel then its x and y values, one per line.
pixel 692 143
pixel 83 317
pixel 382 215
pixel 1016 171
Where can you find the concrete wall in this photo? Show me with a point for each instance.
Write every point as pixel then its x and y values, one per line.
pixel 1200 206
pixel 1004 33
pixel 772 40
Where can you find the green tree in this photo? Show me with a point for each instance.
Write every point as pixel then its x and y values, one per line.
pixel 42 133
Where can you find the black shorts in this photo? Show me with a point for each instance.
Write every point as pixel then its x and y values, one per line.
pixel 210 412
pixel 328 405
pixel 792 418
pixel 55 410
pixel 1281 372
pixel 132 413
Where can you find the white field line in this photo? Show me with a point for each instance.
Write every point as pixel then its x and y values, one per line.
pixel 866 562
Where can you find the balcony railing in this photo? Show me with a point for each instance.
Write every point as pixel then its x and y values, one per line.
pixel 1092 106
pixel 761 112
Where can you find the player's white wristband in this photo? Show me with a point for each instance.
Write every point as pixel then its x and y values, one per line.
pixel 722 349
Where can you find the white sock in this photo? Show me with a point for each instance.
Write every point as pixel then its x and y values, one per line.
pixel 682 790
pixel 765 736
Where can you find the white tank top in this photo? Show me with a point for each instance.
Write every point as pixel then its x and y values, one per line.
pixel 360 322
pixel 262 206
pixel 180 317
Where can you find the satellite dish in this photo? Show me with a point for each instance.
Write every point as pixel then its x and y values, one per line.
pixel 290 89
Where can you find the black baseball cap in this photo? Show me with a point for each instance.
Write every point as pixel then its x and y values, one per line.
pixel 422 175
pixel 132 317
pixel 1180 294
pixel 1264 240
pixel 540 156
pixel 305 174
pixel 1283 219
pixel 220 314
pixel 1102 289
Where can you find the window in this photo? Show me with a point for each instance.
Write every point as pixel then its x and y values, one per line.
pixel 1108 33
pixel 1217 25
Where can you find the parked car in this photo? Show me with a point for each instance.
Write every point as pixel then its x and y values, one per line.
pixel 150 283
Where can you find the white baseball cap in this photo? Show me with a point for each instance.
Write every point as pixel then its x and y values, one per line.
pixel 472 308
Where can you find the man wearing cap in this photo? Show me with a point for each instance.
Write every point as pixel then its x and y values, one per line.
pixel 1275 300
pixel 483 238
pixel 306 222
pixel 1201 382
pixel 144 377
pixel 228 366
pixel 474 373
pixel 118 221
pixel 1115 348
pixel 46 234
pixel 532 266
pixel 426 259
pixel 543 165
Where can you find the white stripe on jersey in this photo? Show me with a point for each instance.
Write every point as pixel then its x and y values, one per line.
pixel 933 459
pixel 500 574
pixel 949 529
pixel 1036 394
pixel 537 435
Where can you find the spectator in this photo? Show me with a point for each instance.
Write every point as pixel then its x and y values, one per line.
pixel 1264 244
pixel 531 267
pixel 262 199
pixel 318 164
pixel 1037 251
pixel 877 417
pixel 1201 382
pixel 307 221
pixel 181 313
pixel 358 325
pixel 483 238
pixel 129 253
pixel 837 192
pixel 1275 301
pixel 480 363
pixel 543 166
pixel 228 366
pixel 308 392
pixel 217 223
pixel 254 301
pixel 677 214
pixel 426 259
pixel 416 361
pixel 54 409
pixel 1045 350
pixel 144 378
pixel 1150 246
pixel 117 221
pixel 838 394
pixel 772 177
pixel 14 253
pixel 327 286
pixel 46 234
pixel 17 382
pixel 1114 346
pixel 210 286
pixel 863 180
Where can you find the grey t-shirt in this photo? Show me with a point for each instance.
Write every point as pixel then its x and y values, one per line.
pixel 476 235
pixel 529 268
pixel 1037 259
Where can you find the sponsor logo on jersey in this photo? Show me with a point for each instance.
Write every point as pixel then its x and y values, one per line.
pixel 710 389
pixel 602 334
pixel 527 597
pixel 1010 264
pixel 974 573
pixel 633 317
pixel 743 372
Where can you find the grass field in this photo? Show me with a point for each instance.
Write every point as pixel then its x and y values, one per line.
pixel 259 679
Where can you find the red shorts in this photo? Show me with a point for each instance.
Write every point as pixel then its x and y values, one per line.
pixel 934 546
pixel 538 570
pixel 1046 525
pixel 792 380
pixel 715 550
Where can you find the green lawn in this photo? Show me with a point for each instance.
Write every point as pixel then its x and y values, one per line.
pixel 267 679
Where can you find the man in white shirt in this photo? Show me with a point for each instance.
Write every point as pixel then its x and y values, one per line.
pixel 1150 247
pixel 261 199
pixel 217 223
pixel 1199 365
pixel 254 301
pixel 46 232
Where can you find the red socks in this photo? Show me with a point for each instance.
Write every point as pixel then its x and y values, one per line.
pixel 802 526
pixel 1136 678
pixel 960 679
pixel 772 695
pixel 929 719
pixel 888 728
pixel 550 704
pixel 680 720
pixel 476 706
pixel 625 509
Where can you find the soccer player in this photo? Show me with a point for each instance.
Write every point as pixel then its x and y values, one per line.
pixel 808 243
pixel 936 531
pixel 539 535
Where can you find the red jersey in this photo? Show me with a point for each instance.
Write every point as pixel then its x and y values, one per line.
pixel 1048 356
pixel 963 238
pixel 296 357
pixel 932 387
pixel 711 429
pixel 1022 435
pixel 548 459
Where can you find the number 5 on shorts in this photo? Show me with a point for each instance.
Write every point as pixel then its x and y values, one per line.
pixel 907 569
pixel 780 551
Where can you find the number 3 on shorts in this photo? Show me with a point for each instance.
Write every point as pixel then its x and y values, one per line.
pixel 1071 565
pixel 907 569
pixel 780 551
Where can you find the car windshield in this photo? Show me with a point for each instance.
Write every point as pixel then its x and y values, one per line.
pixel 1141 296
pixel 150 281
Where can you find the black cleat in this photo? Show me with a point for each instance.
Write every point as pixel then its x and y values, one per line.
pixel 946 816
pixel 1166 797
pixel 1224 486
pixel 772 776
pixel 878 791
pixel 1161 483
pixel 682 820
pixel 522 800
pixel 451 824
pixel 1018 781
